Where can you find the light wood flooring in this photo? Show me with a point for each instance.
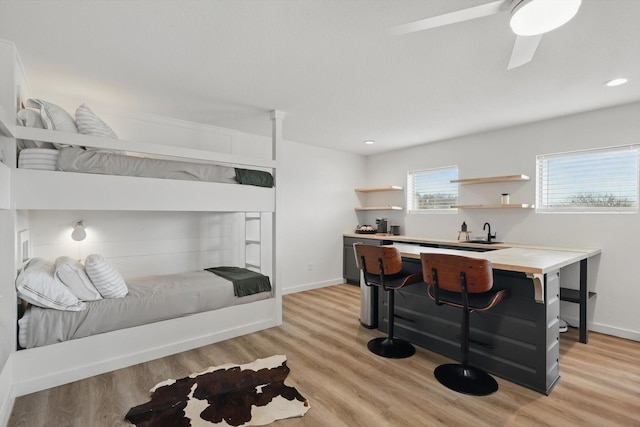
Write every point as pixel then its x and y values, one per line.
pixel 348 386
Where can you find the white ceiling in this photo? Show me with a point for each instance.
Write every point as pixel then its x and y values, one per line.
pixel 330 65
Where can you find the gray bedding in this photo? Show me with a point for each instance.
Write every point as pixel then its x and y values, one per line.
pixel 150 299
pixel 75 159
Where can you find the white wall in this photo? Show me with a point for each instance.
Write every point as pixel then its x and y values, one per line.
pixel 512 151
pixel 315 206
pixel 140 243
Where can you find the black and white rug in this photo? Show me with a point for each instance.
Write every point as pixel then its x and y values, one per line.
pixel 253 394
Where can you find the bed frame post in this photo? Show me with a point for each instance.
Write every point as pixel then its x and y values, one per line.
pixel 14 88
pixel 276 144
pixel 9 99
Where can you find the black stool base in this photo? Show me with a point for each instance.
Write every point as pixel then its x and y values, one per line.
pixel 392 348
pixel 472 381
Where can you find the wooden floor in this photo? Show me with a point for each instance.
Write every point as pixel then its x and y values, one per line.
pixel 348 386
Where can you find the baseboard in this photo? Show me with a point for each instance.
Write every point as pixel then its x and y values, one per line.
pixel 310 286
pixel 6 393
pixel 605 329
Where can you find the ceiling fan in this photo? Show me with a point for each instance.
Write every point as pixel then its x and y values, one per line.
pixel 530 19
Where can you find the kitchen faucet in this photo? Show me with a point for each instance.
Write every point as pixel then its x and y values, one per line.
pixel 489 236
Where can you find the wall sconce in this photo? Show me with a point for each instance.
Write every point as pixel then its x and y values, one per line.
pixel 79 233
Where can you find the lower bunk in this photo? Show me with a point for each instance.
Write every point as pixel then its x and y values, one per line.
pixel 161 315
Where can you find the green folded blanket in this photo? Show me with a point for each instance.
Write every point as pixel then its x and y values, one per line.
pixel 245 282
pixel 254 177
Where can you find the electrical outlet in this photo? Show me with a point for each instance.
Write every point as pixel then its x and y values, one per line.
pixel 310 266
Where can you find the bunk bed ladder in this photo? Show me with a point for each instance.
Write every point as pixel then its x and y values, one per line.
pixel 252 241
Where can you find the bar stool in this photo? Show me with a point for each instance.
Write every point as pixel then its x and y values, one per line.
pixel 466 283
pixel 382 267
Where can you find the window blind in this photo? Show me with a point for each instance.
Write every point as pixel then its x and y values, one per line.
pixel 431 189
pixel 600 180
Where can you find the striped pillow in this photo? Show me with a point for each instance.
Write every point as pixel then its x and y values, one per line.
pixel 38 158
pixel 105 278
pixel 90 124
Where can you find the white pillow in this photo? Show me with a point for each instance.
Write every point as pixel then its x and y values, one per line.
pixel 53 116
pixel 31 118
pixel 105 278
pixel 36 284
pixel 73 275
pixel 90 124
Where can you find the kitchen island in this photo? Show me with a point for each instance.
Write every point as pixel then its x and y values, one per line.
pixel 519 338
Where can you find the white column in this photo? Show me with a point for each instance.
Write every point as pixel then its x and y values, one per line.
pixel 276 140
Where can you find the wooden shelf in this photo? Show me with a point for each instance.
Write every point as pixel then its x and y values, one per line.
pixel 500 206
pixel 490 179
pixel 376 189
pixel 379 208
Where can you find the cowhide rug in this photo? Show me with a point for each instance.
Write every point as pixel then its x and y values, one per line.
pixel 229 395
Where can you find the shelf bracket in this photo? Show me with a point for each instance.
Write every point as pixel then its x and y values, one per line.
pixel 538 286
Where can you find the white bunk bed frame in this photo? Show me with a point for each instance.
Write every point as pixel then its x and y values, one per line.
pixel 31 370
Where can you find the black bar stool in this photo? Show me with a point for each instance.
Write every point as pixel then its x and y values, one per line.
pixel 382 267
pixel 466 283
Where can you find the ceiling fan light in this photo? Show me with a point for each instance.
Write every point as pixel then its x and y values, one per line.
pixel 533 17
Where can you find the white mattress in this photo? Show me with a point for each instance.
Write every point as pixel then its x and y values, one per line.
pixel 38 158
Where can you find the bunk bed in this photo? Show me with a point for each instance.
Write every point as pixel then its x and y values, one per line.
pixel 25 189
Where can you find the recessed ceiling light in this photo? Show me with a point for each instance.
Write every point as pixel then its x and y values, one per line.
pixel 616 82
pixel 369 141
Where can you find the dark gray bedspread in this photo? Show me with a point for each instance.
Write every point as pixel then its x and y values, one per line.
pixel 245 282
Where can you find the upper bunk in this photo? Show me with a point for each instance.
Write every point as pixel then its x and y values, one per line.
pixel 43 189
pixel 29 189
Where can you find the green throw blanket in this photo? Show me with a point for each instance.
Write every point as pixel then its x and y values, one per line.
pixel 254 177
pixel 245 282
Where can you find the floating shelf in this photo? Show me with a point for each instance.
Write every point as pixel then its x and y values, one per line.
pixel 376 189
pixel 380 208
pixel 500 206
pixel 491 179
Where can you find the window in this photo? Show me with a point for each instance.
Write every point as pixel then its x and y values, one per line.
pixel 601 180
pixel 431 190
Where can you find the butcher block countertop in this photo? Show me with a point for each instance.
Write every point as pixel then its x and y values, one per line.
pixel 531 259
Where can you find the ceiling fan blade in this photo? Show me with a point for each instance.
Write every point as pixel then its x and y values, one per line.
pixel 449 18
pixel 523 50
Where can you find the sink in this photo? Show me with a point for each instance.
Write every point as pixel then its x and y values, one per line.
pixel 482 241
